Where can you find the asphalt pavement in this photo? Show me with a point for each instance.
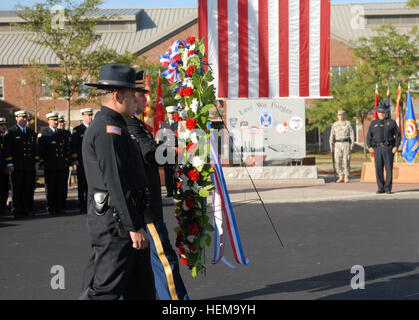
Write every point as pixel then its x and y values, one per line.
pixel 328 230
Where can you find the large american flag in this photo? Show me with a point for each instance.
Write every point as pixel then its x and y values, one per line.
pixel 267 48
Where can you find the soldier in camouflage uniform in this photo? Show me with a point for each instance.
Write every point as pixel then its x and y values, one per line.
pixel 342 143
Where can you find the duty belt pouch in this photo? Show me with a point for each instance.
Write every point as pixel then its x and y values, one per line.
pixel 123 233
pixel 101 201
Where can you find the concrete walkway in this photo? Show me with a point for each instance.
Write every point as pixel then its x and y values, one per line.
pixel 287 191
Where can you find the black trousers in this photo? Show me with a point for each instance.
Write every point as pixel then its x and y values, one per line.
pixel 112 262
pixel 4 188
pixel 169 178
pixel 82 188
pixel 56 186
pixel 23 187
pixel 383 158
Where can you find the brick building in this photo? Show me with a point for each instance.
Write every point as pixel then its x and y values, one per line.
pixel 148 32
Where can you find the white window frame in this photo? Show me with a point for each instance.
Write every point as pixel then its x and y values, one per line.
pixel 2 86
pixel 42 97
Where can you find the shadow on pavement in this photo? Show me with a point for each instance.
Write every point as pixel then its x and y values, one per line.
pixel 406 287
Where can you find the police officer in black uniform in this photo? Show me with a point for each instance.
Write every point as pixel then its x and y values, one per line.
pixel 67 134
pixel 167 279
pixel 54 152
pixel 109 158
pixel 4 173
pixel 76 154
pixel 22 160
pixel 167 136
pixel 383 139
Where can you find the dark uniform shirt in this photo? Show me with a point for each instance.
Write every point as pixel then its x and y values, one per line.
pixel 76 143
pixel 109 159
pixel 383 132
pixel 2 155
pixel 167 133
pixel 20 149
pixel 54 148
pixel 147 146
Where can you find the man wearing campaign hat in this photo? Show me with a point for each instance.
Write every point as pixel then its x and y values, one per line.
pixel 164 261
pixel 54 152
pixel 4 173
pixel 22 161
pixel 167 136
pixel 112 172
pixel 383 139
pixel 77 157
pixel 341 141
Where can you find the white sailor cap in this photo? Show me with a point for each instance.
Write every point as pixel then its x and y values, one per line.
pixel 61 117
pixel 171 109
pixel 52 116
pixel 21 113
pixel 3 120
pixel 88 111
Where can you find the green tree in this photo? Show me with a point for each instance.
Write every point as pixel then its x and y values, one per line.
pixel 68 30
pixel 386 59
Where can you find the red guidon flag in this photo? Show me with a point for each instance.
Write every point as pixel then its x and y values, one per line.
pixel 160 112
pixel 398 111
pixel 267 48
pixel 149 108
pixel 376 102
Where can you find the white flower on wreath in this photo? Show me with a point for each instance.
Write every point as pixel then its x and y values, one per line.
pixel 194 105
pixel 188 83
pixel 186 134
pixel 197 162
pixel 184 112
pixel 193 137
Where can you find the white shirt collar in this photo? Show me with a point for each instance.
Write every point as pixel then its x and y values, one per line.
pixel 21 128
pixel 86 125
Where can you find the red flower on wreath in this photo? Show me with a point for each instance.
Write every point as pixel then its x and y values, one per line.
pixel 179 184
pixel 176 133
pixel 190 123
pixel 181 250
pixel 190 203
pixel 191 148
pixel 194 175
pixel 179 234
pixel 184 261
pixel 193 228
pixel 190 71
pixel 188 92
pixel 190 40
pixel 191 247
pixel 177 118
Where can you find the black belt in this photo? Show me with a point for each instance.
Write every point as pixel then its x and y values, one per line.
pixel 383 144
pixel 343 140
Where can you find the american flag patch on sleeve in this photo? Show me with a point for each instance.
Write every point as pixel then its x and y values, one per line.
pixel 113 129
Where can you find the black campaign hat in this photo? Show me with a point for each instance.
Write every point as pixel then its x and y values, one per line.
pixel 115 76
pixel 139 82
pixel 382 107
